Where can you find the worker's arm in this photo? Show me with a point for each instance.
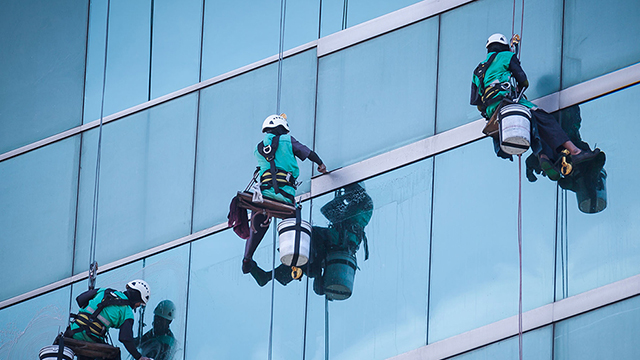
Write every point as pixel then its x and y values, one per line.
pixel 303 152
pixel 126 338
pixel 84 298
pixel 518 73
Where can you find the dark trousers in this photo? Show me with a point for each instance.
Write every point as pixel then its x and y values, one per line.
pixel 550 132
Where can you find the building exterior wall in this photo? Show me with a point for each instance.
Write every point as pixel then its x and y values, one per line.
pixel 182 92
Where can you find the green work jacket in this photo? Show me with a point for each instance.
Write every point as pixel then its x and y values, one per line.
pixel 285 160
pixel 111 316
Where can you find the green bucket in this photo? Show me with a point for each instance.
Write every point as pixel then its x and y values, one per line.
pixel 339 273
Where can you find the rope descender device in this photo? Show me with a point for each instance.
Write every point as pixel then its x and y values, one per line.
pixel 296 273
pixel 515 40
pixel 93 271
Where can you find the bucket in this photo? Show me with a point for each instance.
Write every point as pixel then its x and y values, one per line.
pixel 592 193
pixel 287 240
pixel 515 129
pixel 51 353
pixel 339 274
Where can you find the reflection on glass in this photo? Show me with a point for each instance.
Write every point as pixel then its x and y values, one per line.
pixel 598 250
pixel 332 263
pixel 159 343
pixel 586 179
pixel 339 14
pixel 386 313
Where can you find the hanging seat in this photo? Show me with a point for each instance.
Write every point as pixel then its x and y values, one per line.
pixel 271 208
pixel 91 349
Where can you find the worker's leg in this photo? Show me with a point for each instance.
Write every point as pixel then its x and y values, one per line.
pixel 551 132
pixel 259 227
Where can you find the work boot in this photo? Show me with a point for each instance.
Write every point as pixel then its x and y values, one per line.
pixel 584 155
pixel 262 277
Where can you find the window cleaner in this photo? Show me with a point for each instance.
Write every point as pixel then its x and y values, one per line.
pixel 100 310
pixel 499 81
pixel 276 175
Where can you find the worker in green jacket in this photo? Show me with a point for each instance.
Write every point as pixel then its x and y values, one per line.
pixel 102 309
pixel 492 83
pixel 276 155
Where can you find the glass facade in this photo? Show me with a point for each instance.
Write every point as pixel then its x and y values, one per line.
pixel 406 250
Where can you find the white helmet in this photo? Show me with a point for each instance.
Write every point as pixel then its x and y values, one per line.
pixel 142 287
pixel 273 121
pixel 497 38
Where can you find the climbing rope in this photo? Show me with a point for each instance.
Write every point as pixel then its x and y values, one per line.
pixel 93 265
pixel 283 11
pixel 345 9
pixel 520 254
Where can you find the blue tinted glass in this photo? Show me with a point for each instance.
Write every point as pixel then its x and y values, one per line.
pixel 241 32
pixel 146 181
pixel 386 312
pixel 597 38
pixel 536 345
pixel 358 11
pixel 464 33
pixel 166 274
pixel 602 248
pixel 378 95
pixel 224 302
pixel 38 192
pixel 127 82
pixel 175 60
pixel 42 62
pixel 607 333
pixel 474 272
pixel 27 327
pixel 231 116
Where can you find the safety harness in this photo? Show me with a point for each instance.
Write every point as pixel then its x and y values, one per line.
pixel 282 177
pixel 92 322
pixel 489 95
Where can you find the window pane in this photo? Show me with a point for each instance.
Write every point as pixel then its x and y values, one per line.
pixel 127 82
pixel 38 192
pixel 238 33
pixel 231 116
pixel 166 274
pixel 474 272
pixel 146 181
pixel 464 33
pixel 175 61
pixel 603 248
pixel 27 327
pixel 536 345
pixel 224 302
pixel 42 62
pixel 593 48
pixel 358 11
pixel 386 313
pixel 378 95
pixel 607 333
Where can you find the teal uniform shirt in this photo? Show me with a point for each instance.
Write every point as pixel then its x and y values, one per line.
pixel 498 72
pixel 284 159
pixel 111 316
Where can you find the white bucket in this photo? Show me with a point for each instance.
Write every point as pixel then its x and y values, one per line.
pixel 51 353
pixel 287 240
pixel 515 129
